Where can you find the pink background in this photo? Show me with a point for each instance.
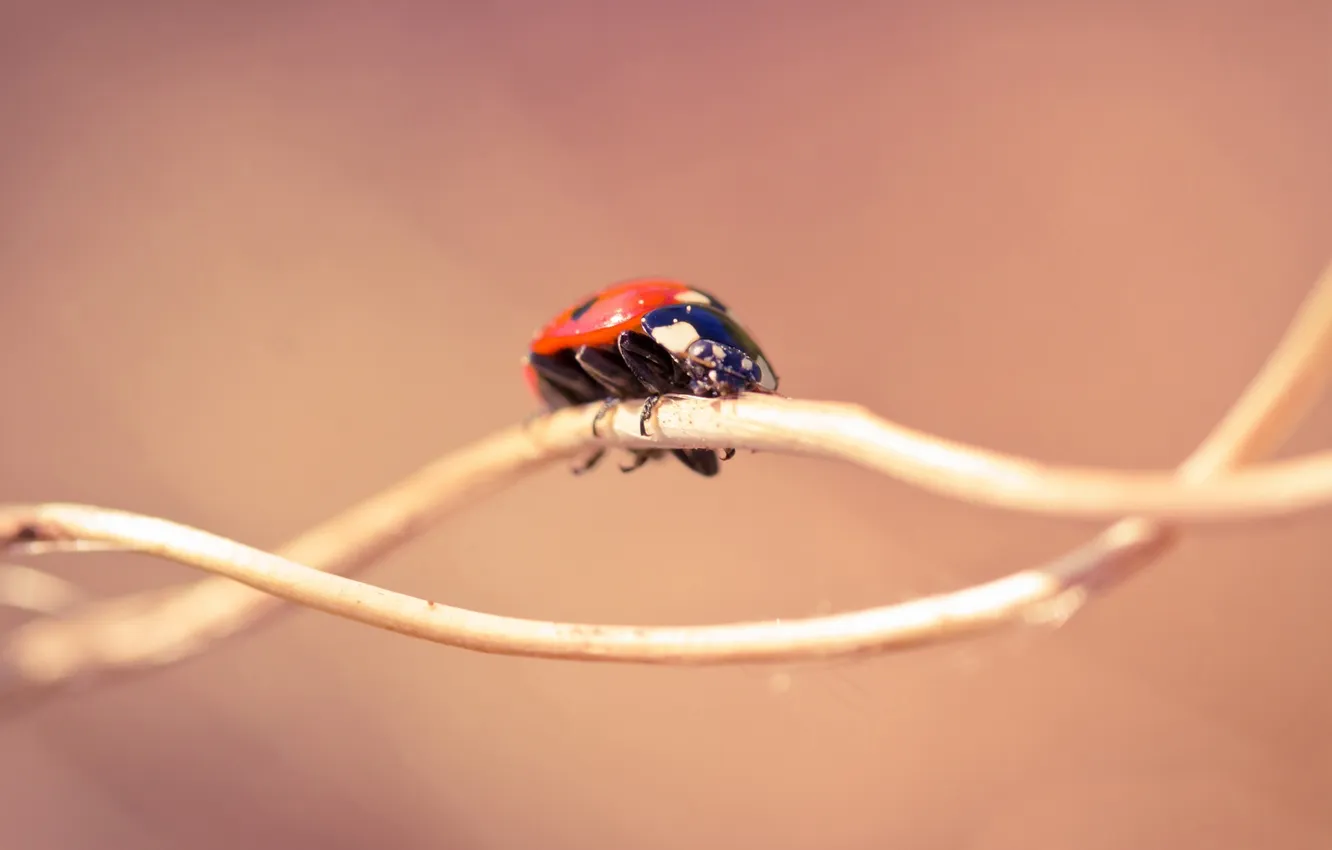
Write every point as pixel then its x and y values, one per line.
pixel 260 260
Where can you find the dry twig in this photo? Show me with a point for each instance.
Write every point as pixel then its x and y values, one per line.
pixel 145 631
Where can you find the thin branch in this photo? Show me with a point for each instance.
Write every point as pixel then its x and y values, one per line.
pixel 148 630
pixel 1041 595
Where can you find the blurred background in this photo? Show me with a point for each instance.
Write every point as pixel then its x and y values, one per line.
pixel 258 261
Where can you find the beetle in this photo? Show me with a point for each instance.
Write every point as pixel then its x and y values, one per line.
pixel 646 337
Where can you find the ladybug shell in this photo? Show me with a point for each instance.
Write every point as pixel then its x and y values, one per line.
pixel 599 319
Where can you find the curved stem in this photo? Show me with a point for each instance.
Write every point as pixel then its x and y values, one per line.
pixel 148 630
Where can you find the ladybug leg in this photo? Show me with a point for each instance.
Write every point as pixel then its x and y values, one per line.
pixel 657 371
pixel 606 405
pixel 648 407
pixel 640 458
pixel 702 461
pixel 728 454
pixel 587 465
pixel 654 368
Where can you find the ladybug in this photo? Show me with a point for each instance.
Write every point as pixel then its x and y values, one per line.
pixel 645 338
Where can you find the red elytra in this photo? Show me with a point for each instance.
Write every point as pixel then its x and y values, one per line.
pixel 600 318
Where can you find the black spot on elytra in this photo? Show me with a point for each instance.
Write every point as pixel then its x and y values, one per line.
pixel 583 308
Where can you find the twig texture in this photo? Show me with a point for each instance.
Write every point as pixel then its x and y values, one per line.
pixel 144 631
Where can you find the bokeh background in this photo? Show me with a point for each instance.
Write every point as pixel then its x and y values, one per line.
pixel 260 260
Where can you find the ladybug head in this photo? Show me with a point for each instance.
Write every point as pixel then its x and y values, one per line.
pixel 719 369
pixel 719 357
